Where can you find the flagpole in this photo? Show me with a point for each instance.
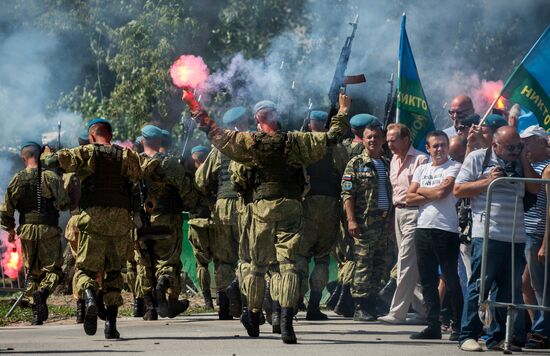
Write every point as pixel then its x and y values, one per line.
pixel 509 78
pixel 397 111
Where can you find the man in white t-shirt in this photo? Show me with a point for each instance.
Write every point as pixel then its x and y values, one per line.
pixel 436 236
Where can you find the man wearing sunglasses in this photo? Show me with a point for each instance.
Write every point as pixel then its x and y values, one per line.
pixel 505 157
pixel 461 107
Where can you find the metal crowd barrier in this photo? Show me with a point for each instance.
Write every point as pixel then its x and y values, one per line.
pixel 513 306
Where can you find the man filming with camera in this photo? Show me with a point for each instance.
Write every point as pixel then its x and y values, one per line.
pixel 505 157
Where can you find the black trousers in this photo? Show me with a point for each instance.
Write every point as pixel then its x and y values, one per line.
pixel 438 248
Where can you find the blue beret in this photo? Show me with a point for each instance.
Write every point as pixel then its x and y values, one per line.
pixel 494 121
pixel 151 131
pixel 199 148
pixel 317 115
pixel 362 120
pixel 165 133
pixel 83 135
pixel 264 104
pixel 30 143
pixel 98 120
pixel 139 140
pixel 233 115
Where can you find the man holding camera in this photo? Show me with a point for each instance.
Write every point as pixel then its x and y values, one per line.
pixel 505 157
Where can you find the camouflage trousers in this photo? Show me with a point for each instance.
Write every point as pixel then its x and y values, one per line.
pixel 319 234
pixel 344 255
pixel 41 245
pixel 104 235
pixel 244 222
pixel 226 248
pixel 370 250
pixel 160 252
pixel 201 237
pixel 274 235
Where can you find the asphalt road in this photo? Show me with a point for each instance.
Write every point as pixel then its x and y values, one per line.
pixel 205 335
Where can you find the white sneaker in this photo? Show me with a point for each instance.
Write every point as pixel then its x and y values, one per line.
pixel 470 345
pixel 391 320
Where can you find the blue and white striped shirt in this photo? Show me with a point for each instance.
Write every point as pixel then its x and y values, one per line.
pixel 535 218
pixel 383 199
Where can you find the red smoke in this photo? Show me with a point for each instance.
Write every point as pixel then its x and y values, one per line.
pixel 12 260
pixel 484 95
pixel 189 71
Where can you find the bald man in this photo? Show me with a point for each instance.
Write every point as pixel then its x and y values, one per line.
pixel 505 157
pixel 461 107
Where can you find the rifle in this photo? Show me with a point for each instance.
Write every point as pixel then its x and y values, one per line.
pixel 340 80
pixel 390 97
pixel 306 120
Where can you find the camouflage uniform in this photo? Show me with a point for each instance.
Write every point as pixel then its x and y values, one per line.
pixel 38 230
pixel 104 222
pixel 321 218
pixel 213 176
pixel 277 162
pixel 202 239
pixel 360 181
pixel 164 236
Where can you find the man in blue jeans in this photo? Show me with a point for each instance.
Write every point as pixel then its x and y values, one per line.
pixel 480 168
pixel 535 141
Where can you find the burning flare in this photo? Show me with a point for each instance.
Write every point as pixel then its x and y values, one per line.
pixel 12 260
pixel 487 93
pixel 189 71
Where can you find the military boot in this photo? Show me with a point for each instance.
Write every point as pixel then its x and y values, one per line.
pixel 150 310
pixel 139 308
pixel 276 317
pixel 313 310
pixel 36 320
pixel 251 322
pixel 223 305
pixel 334 296
pixel 101 311
pixel 162 285
pixel 208 304
pixel 234 294
pixel 345 305
pixel 80 311
pixel 176 306
pixel 110 322
pixel 40 301
pixel 287 331
pixel 90 318
pixel 361 310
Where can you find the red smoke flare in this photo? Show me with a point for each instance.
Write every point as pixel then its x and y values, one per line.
pixel 189 71
pixel 12 260
pixel 484 96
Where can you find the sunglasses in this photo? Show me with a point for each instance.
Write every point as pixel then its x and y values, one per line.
pixel 512 148
pixel 456 113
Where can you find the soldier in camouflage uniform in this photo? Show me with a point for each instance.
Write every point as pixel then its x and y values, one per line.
pixel 366 197
pixel 214 176
pixel 277 160
pixel 320 230
pixel 341 299
pixel 38 195
pixel 104 224
pixel 201 232
pixel 160 237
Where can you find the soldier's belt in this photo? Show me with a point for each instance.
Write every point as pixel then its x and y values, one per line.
pixel 378 213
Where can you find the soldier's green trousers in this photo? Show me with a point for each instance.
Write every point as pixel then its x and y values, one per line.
pixel 165 250
pixel 226 248
pixel 319 235
pixel 104 235
pixel 274 236
pixel 344 255
pixel 370 250
pixel 41 245
pixel 201 237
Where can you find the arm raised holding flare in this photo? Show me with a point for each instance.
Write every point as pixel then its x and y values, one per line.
pixel 305 147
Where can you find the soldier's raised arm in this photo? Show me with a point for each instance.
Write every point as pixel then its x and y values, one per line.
pixel 70 159
pixel 54 187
